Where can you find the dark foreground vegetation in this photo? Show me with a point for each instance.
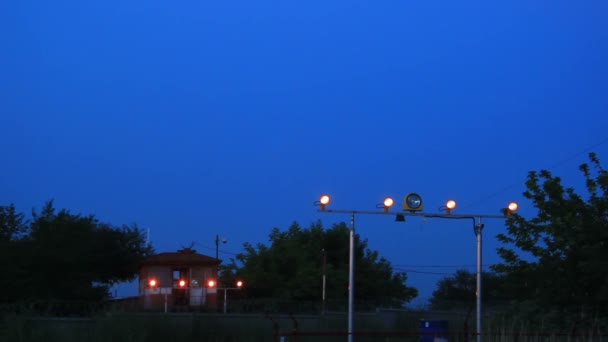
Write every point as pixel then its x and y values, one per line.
pixel 388 326
pixel 59 255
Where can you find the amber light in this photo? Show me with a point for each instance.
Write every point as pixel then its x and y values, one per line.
pixel 323 201
pixel 387 203
pixel 450 205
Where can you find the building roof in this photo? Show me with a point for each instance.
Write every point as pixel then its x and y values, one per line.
pixel 183 257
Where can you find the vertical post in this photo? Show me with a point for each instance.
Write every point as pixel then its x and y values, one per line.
pixel 478 230
pixel 324 281
pixel 217 246
pixel 165 302
pixel 217 270
pixel 225 296
pixel 351 277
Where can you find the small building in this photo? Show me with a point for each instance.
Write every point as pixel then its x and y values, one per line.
pixel 177 281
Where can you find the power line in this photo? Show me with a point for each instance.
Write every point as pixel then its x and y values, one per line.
pixel 422 272
pixel 220 251
pixel 556 165
pixel 407 270
pixel 435 266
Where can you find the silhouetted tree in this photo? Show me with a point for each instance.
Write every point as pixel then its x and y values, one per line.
pixel 558 259
pixel 458 291
pixel 12 224
pixel 65 256
pixel 291 268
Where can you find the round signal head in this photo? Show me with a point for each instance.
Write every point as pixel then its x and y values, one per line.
pixel 414 201
pixel 513 206
pixel 182 283
pixel 451 204
pixel 152 282
pixel 211 283
pixel 239 283
pixel 325 199
pixel 388 202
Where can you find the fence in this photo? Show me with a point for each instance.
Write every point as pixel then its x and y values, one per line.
pixel 385 325
pixel 382 326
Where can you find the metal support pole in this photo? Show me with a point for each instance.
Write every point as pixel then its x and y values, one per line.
pixel 165 302
pixel 225 297
pixel 217 246
pixel 217 270
pixel 478 233
pixel 478 227
pixel 324 282
pixel 351 277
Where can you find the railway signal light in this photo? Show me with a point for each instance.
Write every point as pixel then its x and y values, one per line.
pixel 512 207
pixel 413 202
pixel 386 204
pixel 449 205
pixel 323 201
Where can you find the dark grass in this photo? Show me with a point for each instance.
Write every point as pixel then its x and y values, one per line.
pixel 385 326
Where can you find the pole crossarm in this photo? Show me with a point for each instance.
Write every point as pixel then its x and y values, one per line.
pixel 477 225
pixel 413 214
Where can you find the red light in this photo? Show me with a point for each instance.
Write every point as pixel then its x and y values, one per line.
pixel 152 283
pixel 239 283
pixel 182 283
pixel 211 283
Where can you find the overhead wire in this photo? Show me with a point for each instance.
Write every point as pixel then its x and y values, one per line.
pixel 421 225
pixel 423 272
pixel 220 251
pixel 409 270
pixel 483 198
pixel 434 266
pixel 554 166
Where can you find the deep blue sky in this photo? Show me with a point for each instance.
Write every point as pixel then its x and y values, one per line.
pixel 197 118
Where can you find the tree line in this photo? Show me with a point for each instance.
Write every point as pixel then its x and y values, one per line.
pixel 555 261
pixel 58 255
pixel 292 266
pixel 554 264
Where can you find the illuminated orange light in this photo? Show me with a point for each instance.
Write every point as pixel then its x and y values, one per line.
pixel 325 199
pixel 388 202
pixel 152 282
pixel 182 283
pixel 451 204
pixel 513 206
pixel 211 283
pixel 239 283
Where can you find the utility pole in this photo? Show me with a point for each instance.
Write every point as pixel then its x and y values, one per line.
pixel 324 281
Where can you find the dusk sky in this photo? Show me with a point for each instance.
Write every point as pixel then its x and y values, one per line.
pixel 197 118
